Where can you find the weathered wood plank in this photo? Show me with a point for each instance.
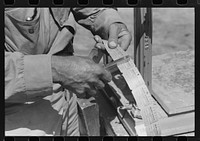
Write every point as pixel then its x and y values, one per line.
pixel 123 93
pixel 123 115
pixel 89 117
pixel 139 89
pixel 155 124
pixel 111 123
pixel 190 134
pixel 176 124
pixel 174 103
pixel 173 81
pixel 125 97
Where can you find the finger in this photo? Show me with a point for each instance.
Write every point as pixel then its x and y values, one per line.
pixel 80 93
pixel 106 76
pixel 92 91
pixel 113 36
pixel 102 74
pixel 98 39
pixel 100 46
pixel 81 88
pixel 95 81
pixel 125 40
pixel 99 84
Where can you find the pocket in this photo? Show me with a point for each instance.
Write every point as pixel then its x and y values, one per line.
pixel 24 33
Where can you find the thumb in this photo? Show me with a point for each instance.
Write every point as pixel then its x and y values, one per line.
pixel 113 36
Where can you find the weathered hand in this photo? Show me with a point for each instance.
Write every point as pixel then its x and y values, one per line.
pixel 79 74
pixel 118 34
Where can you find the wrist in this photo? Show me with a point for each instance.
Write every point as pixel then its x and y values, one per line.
pixel 54 67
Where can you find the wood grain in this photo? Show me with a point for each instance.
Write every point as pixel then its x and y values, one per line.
pixel 182 123
pixel 173 81
pixel 156 123
pixel 89 116
pixel 139 89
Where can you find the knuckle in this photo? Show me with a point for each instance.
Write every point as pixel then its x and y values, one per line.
pixel 100 84
pixel 92 92
pixel 80 91
pixel 108 74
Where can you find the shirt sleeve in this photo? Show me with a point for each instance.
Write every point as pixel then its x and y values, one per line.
pixel 97 20
pixel 27 77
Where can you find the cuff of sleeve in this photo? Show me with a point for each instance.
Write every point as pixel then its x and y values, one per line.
pixel 38 75
pixel 104 20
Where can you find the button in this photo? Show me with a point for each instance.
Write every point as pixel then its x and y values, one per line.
pixel 28 18
pixel 31 30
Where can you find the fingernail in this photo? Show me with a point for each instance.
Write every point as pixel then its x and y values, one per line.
pixel 97 39
pixel 113 44
pixel 98 46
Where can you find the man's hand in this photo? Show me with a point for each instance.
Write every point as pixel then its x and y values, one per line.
pixel 118 34
pixel 79 74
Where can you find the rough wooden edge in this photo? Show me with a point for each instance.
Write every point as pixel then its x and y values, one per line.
pixel 90 122
pixel 123 116
pixel 177 124
pixel 154 125
pixel 167 109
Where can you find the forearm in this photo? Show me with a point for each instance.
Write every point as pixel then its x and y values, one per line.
pixel 56 66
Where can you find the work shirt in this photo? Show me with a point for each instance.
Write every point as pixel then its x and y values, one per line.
pixel 34 105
